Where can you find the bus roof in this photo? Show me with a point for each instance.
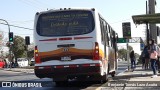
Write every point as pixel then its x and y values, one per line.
pixel 65 9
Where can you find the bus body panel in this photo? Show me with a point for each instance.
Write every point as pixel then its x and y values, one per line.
pixel 65 56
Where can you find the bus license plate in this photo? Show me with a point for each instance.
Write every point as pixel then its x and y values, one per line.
pixel 66 58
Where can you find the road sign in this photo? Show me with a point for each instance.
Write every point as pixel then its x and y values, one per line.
pixel 121 40
pixel 126 27
pixel 142 46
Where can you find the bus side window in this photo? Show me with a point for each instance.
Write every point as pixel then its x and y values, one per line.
pixel 102 30
pixel 114 40
pixel 109 36
pixel 106 34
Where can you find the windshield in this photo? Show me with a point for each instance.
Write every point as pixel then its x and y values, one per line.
pixel 65 23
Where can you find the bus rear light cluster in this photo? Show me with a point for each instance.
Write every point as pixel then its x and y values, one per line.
pixel 96 52
pixel 36 55
pixel 90 65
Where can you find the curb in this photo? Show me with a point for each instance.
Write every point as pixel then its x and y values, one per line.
pixel 19 70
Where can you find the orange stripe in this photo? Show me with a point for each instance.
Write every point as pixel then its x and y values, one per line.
pixel 60 52
pixel 68 38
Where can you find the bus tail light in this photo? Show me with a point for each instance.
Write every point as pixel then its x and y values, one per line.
pixel 96 52
pixel 37 58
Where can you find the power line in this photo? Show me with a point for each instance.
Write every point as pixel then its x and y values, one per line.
pixel 16 26
pixel 30 4
pixel 121 21
pixel 27 21
pixel 36 4
pixel 16 33
pixel 43 3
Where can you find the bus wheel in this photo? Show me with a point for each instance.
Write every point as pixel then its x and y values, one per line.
pixel 105 78
pixel 101 79
pixel 61 83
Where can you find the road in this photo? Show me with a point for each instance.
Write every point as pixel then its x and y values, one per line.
pixel 122 66
pixel 49 85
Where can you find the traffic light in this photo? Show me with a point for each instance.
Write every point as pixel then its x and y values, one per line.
pixel 10 36
pixel 126 27
pixel 27 40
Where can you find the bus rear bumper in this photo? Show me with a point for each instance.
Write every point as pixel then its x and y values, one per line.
pixel 67 72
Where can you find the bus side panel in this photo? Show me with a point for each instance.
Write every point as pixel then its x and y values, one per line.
pixel 112 61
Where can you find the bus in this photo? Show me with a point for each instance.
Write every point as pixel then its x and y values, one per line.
pixel 73 43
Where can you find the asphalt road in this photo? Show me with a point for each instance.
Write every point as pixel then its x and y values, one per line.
pixel 49 85
pixel 122 66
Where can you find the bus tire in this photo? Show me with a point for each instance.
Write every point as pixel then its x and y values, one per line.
pixel 61 83
pixel 108 69
pixel 101 79
pixel 105 78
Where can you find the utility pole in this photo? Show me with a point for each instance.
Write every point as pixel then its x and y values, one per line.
pixel 127 53
pixel 147 29
pixel 152 27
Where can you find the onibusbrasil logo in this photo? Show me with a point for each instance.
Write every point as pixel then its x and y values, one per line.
pixel 21 84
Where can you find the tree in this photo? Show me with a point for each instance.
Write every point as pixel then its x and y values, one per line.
pixel 130 48
pixel 137 55
pixel 122 53
pixel 1 42
pixel 30 53
pixel 18 47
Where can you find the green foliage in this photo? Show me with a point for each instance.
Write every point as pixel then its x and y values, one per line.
pixel 30 54
pixel 18 47
pixel 122 53
pixel 137 55
pixel 130 48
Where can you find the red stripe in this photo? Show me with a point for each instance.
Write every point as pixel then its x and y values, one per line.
pixel 59 66
pixel 54 39
pixel 86 65
pixel 75 38
pixel 99 65
pixel 72 66
pixel 69 38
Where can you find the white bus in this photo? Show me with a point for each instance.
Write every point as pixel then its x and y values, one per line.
pixel 74 43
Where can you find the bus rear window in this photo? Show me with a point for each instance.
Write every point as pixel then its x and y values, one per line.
pixel 65 23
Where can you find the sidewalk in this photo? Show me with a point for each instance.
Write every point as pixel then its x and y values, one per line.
pixel 24 69
pixel 139 79
pixel 140 74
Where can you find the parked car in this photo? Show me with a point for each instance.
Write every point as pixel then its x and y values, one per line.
pixel 2 64
pixel 32 62
pixel 119 59
pixel 22 62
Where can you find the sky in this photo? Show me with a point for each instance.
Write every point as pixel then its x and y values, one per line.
pixel 21 13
